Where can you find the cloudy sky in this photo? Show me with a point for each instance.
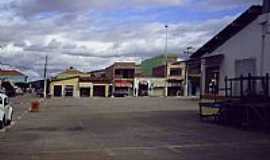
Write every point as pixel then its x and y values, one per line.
pixel 92 34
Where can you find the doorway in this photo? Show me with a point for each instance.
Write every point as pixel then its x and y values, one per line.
pixel 143 88
pixel 85 92
pixel 99 91
pixel 57 91
pixel 212 80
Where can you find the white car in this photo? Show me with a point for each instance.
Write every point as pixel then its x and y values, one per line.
pixel 6 111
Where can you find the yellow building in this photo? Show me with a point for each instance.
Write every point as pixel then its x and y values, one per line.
pixel 68 86
pixel 80 87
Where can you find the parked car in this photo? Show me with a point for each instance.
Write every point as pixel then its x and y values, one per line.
pixel 120 93
pixel 9 89
pixel 6 111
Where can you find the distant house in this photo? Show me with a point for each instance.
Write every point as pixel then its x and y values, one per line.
pixel 242 48
pixel 13 76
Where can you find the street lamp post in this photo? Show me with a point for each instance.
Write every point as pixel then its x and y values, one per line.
pixel 166 42
pixel 166 59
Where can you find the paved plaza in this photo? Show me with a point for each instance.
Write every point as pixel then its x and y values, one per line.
pixel 124 129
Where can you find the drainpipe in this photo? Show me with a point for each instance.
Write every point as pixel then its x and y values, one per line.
pixel 262 51
pixel 266 12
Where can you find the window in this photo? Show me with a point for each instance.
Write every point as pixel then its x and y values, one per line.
pixel 175 72
pixel 124 73
pixel 69 91
pixel 245 66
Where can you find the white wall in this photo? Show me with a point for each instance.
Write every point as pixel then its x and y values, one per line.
pixel 150 81
pixel 244 45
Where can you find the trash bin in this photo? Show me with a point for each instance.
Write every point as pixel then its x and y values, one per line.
pixel 35 106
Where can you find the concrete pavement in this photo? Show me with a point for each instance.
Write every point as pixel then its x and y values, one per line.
pixel 127 128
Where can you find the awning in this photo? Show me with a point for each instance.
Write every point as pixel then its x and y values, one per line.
pixel 160 83
pixel 85 84
pixel 143 82
pixel 175 83
pixel 123 83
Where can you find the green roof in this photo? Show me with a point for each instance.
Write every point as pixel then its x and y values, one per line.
pixel 148 64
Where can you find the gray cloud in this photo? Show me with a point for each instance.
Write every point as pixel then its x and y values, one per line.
pixel 35 7
pixel 31 29
pixel 217 5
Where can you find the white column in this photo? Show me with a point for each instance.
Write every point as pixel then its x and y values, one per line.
pixel 91 90
pixel 63 90
pixel 166 88
pixel 203 73
pixel 107 91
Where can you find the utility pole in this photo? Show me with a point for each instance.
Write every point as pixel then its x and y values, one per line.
pixel 45 78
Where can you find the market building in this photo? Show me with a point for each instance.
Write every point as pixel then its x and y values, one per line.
pixel 238 50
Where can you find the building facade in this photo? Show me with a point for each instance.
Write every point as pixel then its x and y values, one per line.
pixel 122 75
pixel 74 83
pixel 13 76
pixel 148 65
pixel 80 87
pixel 149 86
pixel 175 75
pixel 242 48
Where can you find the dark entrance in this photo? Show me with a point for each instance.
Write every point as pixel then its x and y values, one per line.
pixel 57 91
pixel 110 91
pixel 143 89
pixel 175 88
pixel 212 80
pixel 175 91
pixel 99 91
pixel 85 92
